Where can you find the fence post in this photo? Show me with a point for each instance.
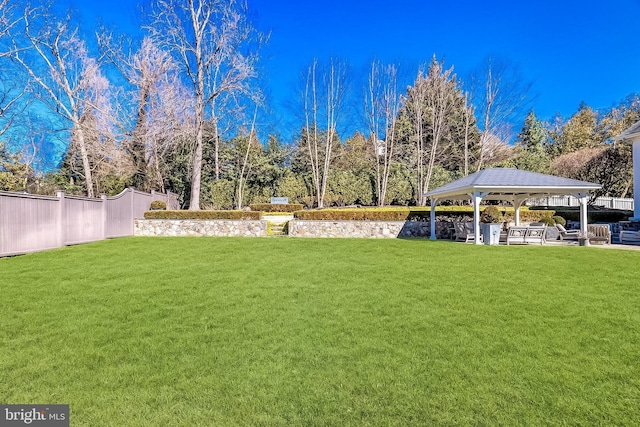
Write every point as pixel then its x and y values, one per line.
pixel 132 210
pixel 103 197
pixel 61 218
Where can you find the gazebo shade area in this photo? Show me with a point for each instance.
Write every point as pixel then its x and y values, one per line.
pixel 509 185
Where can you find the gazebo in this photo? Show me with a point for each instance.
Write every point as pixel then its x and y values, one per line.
pixel 633 135
pixel 511 185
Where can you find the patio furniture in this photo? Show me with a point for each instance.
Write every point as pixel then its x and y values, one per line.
pixel 599 233
pixel 464 232
pixel 569 235
pixel 630 237
pixel 525 235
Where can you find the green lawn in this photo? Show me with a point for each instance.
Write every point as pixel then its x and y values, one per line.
pixel 304 332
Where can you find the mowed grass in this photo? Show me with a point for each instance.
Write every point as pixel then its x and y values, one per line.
pixel 306 332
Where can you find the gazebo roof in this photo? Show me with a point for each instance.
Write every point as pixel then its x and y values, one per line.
pixel 501 182
pixel 630 133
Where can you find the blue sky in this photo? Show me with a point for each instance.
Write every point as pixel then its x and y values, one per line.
pixel 573 51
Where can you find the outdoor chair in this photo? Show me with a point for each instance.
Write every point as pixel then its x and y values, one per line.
pixel 464 232
pixel 569 235
pixel 599 233
pixel 525 235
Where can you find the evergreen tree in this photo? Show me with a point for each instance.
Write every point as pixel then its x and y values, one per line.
pixel 531 146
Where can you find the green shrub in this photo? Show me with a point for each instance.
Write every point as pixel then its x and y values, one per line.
pixel 236 215
pixel 491 215
pixel 559 220
pixel 158 205
pixel 268 207
pixel 547 220
pixel 415 213
pixel 535 216
pixel 373 214
pixel 594 214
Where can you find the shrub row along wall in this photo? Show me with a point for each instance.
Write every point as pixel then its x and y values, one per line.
pixel 284 207
pixel 200 227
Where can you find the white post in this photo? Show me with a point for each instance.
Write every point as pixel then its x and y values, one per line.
pixel 517 204
pixel 636 180
pixel 103 197
pixel 477 198
pixel 582 198
pixel 62 223
pixel 432 217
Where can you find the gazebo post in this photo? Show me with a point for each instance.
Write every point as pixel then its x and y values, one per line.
pixel 477 198
pixel 582 198
pixel 517 204
pixel 432 217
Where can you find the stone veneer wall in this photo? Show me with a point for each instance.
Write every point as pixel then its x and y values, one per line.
pixel 369 229
pixel 221 228
pixel 192 227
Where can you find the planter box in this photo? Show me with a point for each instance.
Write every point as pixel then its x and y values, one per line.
pixel 491 233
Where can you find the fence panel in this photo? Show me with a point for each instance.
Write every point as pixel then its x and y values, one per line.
pixel 28 223
pixel 82 220
pixel 140 204
pixel 608 202
pixel 119 222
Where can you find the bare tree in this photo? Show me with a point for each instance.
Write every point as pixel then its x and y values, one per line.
pixel 207 37
pixel 65 78
pixel 9 18
pixel 152 75
pixel 12 88
pixel 245 163
pixel 501 96
pixel 323 97
pixel 469 120
pixel 382 105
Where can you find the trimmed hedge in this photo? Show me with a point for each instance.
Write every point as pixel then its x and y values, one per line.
pixel 594 214
pixel 360 214
pixel 356 215
pixel 406 214
pixel 268 207
pixel 235 215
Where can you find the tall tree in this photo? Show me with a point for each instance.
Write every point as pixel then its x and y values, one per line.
pixel 382 105
pixel 65 77
pixel 208 38
pixel 579 132
pixel 323 101
pixel 12 87
pixel 156 121
pixel 433 106
pixel 532 142
pixel 500 95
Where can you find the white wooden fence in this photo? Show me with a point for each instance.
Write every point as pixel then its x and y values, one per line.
pixel 608 202
pixel 30 223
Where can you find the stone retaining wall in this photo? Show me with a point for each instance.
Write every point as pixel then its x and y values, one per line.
pixel 297 228
pixel 367 229
pixel 192 227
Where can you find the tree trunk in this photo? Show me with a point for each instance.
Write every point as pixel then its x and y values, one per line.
pixel 86 165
